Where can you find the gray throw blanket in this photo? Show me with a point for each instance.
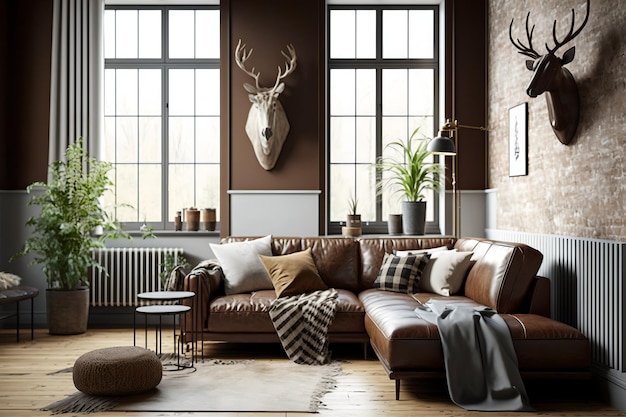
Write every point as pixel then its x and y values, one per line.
pixel 302 322
pixel 481 365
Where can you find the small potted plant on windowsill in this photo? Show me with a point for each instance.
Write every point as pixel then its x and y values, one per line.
pixel 411 175
pixel 353 220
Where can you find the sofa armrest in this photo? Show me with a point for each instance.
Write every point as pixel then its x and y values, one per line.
pixel 540 297
pixel 206 280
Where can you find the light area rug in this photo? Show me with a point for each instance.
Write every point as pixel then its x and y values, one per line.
pixel 240 386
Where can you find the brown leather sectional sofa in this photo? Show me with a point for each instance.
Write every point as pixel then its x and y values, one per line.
pixel 502 276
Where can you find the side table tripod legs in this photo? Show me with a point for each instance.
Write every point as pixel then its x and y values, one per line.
pixel 176 311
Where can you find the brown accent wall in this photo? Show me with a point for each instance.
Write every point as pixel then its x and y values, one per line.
pixel 468 94
pixel 575 190
pixel 268 26
pixel 4 87
pixel 26 83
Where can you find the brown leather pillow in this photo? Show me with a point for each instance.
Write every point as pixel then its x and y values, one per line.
pixel 293 274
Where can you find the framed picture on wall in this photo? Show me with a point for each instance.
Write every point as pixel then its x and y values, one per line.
pixel 518 140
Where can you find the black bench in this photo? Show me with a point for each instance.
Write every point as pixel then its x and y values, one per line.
pixel 15 295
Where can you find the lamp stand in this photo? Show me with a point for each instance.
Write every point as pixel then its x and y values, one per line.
pixel 456 201
pixel 447 144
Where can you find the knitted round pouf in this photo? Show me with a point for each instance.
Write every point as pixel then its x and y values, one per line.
pixel 117 371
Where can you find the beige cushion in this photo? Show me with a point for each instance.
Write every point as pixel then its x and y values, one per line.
pixel 445 272
pixel 293 274
pixel 243 272
pixel 123 370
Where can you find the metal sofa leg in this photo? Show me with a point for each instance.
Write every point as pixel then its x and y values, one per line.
pixel 32 319
pixel 397 389
pixel 17 321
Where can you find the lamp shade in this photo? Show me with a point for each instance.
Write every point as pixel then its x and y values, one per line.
pixel 442 145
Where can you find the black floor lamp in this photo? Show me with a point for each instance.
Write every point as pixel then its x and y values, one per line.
pixel 446 144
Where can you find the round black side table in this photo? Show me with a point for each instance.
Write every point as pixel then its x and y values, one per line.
pixel 160 310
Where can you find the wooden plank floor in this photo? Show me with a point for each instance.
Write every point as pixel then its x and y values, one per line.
pixel 363 390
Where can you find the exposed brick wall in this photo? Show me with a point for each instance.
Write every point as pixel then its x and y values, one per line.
pixel 578 189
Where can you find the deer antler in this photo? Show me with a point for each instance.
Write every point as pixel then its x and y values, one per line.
pixel 570 35
pixel 523 49
pixel 290 65
pixel 241 57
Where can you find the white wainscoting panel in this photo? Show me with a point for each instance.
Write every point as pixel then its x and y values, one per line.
pixel 275 212
pixel 587 279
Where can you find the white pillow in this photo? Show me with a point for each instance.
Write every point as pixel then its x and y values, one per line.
pixel 445 272
pixel 420 251
pixel 243 271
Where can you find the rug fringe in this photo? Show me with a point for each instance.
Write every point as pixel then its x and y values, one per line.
pixel 326 385
pixel 82 403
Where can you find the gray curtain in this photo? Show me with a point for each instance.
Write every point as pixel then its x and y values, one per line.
pixel 76 85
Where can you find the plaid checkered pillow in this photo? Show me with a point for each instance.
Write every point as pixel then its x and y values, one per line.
pixel 401 273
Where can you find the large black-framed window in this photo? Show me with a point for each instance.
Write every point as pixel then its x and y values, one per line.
pixel 162 111
pixel 383 83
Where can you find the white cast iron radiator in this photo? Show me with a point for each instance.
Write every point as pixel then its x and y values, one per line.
pixel 588 278
pixel 126 272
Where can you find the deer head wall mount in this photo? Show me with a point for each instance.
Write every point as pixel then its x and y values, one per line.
pixel 550 76
pixel 267 125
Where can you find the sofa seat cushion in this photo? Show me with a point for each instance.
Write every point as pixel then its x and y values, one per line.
pixel 238 313
pixel 249 313
pixel 405 342
pixel 401 340
pixel 350 314
pixel 542 343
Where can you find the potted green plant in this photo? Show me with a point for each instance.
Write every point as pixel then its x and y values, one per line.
pixel 412 175
pixel 172 271
pixel 63 234
pixel 353 219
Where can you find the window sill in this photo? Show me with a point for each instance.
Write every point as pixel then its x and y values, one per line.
pixel 137 234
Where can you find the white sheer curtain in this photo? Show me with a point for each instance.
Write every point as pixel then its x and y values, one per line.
pixel 76 85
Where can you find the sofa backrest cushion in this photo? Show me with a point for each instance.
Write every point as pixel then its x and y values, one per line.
pixel 337 260
pixel 280 245
pixel 502 272
pixel 373 251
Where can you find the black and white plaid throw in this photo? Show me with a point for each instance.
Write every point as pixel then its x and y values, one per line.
pixel 302 322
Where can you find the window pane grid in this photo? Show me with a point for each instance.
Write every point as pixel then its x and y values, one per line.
pixel 398 96
pixel 164 146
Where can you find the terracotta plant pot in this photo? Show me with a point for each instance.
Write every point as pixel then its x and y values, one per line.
pixel 192 217
pixel 208 218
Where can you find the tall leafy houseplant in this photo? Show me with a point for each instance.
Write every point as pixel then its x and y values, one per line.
pixel 63 234
pixel 412 175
